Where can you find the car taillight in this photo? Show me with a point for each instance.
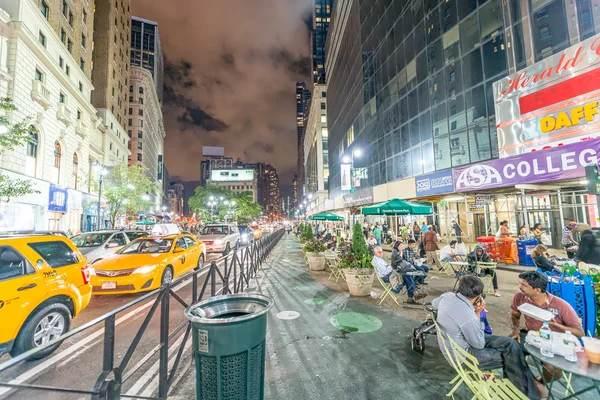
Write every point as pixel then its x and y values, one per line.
pixel 85 272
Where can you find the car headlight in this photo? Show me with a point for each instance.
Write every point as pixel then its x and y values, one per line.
pixel 244 236
pixel 218 241
pixel 144 270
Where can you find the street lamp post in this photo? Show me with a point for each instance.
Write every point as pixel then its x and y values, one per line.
pixel 356 152
pixel 101 172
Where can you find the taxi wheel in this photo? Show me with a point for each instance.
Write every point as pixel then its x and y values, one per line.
pixel 200 262
pixel 45 324
pixel 167 276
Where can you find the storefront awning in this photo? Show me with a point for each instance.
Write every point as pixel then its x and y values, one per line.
pixel 326 216
pixel 397 207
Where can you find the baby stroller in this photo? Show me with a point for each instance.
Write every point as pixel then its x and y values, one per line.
pixel 417 341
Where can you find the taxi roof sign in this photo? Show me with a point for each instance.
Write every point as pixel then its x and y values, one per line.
pixel 165 230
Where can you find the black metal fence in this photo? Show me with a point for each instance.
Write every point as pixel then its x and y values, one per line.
pixel 232 273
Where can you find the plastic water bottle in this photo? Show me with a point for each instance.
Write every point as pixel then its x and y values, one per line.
pixel 570 342
pixel 546 336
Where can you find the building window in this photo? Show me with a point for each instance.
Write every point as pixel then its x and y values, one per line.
pixel 75 170
pixel 130 123
pixel 140 134
pixel 61 62
pixel 323 106
pixel 57 155
pixel 129 133
pixel 323 119
pixel 130 89
pixel 45 9
pixel 81 64
pixel 68 70
pixel 83 40
pixel 141 90
pixel 141 112
pixel 42 39
pixel 70 18
pixel 39 76
pixel 129 145
pixel 32 145
pixel 141 100
pixel 139 145
pixel 78 114
pixel 69 45
pixel 84 17
pixel 141 123
pixel 110 146
pixel 139 157
pixel 131 99
pixel 65 8
pixel 61 98
pixel 113 92
pixel 80 87
pixel 130 110
pixel 63 36
pixel 323 94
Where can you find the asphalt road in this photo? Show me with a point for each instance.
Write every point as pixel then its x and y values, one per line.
pixel 78 362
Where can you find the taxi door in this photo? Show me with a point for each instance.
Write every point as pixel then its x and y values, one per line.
pixel 180 260
pixel 194 250
pixel 22 289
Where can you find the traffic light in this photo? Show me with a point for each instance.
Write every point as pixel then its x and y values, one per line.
pixel 591 175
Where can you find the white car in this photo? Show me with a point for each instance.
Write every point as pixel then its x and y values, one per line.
pixel 101 244
pixel 220 238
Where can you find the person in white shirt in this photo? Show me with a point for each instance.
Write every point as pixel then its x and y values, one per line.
pixel 448 252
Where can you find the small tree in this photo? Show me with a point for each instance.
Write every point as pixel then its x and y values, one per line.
pixel 359 255
pixel 14 135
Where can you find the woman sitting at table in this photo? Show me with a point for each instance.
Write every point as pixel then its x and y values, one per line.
pixel 542 259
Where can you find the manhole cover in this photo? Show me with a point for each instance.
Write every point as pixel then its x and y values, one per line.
pixel 353 322
pixel 314 300
pixel 288 315
pixel 301 288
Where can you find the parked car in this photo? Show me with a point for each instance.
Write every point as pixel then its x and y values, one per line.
pixel 44 283
pixel 220 238
pixel 147 263
pixel 98 245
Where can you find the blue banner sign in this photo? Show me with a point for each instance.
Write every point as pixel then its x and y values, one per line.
pixel 440 182
pixel 58 199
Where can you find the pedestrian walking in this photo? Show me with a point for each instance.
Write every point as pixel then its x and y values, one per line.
pixel 457 231
pixel 377 233
pixel 431 247
pixel 416 231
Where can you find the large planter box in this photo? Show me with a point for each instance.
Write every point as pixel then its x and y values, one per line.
pixel 360 281
pixel 316 262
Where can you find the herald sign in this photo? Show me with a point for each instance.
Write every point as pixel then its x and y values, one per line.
pixel 553 101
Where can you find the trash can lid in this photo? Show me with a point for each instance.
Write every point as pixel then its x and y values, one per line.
pixel 230 308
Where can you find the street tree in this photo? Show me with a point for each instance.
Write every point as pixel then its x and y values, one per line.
pixel 238 206
pixel 124 188
pixel 12 135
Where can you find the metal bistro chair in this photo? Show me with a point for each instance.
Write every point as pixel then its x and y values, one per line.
pixel 459 273
pixel 336 270
pixel 447 268
pixel 387 291
pixel 490 278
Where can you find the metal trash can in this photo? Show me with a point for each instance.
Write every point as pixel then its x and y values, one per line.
pixel 229 344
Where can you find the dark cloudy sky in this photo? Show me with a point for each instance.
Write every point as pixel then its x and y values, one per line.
pixel 230 73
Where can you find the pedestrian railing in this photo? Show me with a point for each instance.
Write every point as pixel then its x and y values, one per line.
pixel 226 275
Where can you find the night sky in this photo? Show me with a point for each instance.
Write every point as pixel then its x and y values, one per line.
pixel 230 73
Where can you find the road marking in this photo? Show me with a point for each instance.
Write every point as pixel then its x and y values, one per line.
pixel 153 386
pixel 73 348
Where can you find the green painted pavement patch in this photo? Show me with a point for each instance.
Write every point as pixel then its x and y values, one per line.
pixel 356 322
pixel 301 288
pixel 314 300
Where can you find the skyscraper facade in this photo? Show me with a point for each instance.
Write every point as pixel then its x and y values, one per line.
pixel 146 50
pixel 302 100
pixel 321 19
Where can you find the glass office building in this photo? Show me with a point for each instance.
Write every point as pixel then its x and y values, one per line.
pixel 322 16
pixel 410 82
pixel 146 50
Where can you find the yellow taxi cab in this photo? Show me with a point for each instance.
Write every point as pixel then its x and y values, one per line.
pixel 256 231
pixel 44 283
pixel 147 263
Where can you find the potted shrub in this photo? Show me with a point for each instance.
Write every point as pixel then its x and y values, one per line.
pixel 306 235
pixel 314 258
pixel 356 263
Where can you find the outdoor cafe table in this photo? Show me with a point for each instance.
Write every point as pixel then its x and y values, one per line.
pixel 582 368
pixel 463 266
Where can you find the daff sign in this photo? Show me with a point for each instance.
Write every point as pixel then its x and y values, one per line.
pixel 555 164
pixel 553 102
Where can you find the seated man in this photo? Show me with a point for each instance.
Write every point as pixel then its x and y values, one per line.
pixel 448 252
pixel 532 286
pixel 385 272
pixel 330 251
pixel 479 255
pixel 459 318
pixel 410 256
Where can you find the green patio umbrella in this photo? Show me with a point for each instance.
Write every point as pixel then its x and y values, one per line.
pixel 397 207
pixel 326 216
pixel 145 222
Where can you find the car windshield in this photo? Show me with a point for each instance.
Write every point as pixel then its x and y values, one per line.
pixel 147 246
pixel 244 229
pixel 216 230
pixel 90 239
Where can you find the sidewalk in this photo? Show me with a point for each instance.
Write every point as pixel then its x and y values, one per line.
pixel 310 358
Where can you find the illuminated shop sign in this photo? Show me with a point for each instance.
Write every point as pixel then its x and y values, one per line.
pixel 232 175
pixel 553 102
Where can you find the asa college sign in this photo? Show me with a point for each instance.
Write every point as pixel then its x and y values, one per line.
pixel 557 163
